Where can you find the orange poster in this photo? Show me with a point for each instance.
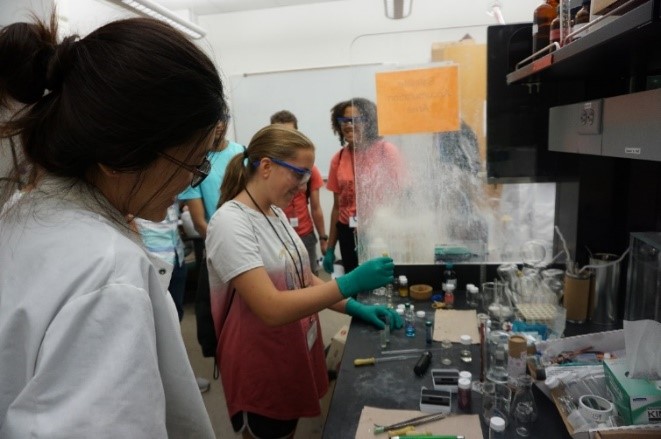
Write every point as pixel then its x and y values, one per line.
pixel 418 101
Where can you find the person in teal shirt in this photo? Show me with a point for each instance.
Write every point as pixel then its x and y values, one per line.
pixel 203 199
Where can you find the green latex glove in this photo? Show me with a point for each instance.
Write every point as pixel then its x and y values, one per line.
pixel 369 275
pixel 329 260
pixel 374 314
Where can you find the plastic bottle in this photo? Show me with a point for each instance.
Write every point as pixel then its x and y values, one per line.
pixel 496 428
pixel 449 276
pixel 448 295
pixel 465 353
pixel 541 24
pixel 464 394
pixel 409 320
pixel 403 286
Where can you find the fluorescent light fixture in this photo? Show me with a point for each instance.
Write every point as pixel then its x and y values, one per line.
pixel 397 9
pixel 152 9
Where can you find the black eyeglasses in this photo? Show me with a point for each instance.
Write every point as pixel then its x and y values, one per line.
pixel 351 120
pixel 200 172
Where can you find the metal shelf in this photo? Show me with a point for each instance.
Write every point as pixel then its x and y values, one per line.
pixel 621 47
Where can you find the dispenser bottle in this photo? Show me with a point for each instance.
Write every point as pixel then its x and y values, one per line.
pixel 541 24
pixel 449 276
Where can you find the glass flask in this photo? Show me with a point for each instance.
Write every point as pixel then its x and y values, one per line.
pixel 524 401
pixel 500 308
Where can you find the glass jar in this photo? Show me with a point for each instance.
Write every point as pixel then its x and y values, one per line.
pixel 465 353
pixel 446 352
pixel 497 350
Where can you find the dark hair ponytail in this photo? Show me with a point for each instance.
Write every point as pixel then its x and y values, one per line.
pixel 118 97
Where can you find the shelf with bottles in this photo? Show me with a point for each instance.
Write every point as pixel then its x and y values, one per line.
pixel 629 42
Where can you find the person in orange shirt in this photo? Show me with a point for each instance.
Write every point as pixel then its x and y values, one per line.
pixel 304 212
pixel 380 167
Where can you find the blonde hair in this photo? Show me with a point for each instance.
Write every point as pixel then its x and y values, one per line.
pixel 274 141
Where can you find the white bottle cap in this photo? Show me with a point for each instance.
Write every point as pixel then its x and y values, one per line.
pixel 449 286
pixel 497 423
pixel 466 375
pixel 400 306
pixel 469 286
pixel 402 278
pixel 420 314
pixel 464 383
pixel 465 339
pixel 400 311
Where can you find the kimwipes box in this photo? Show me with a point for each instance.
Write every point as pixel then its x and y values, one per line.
pixel 336 349
pixel 637 401
pixel 608 341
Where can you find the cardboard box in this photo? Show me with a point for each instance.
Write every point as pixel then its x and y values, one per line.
pixel 336 349
pixel 609 341
pixel 637 401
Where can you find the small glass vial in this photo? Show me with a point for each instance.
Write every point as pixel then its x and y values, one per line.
pixel 446 352
pixel 403 286
pixel 409 321
pixel 465 353
pixel 464 394
pixel 448 296
pixel 428 332
pixel 496 428
pixel 390 292
pixel 385 333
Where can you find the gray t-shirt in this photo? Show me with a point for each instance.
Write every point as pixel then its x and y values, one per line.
pixel 240 238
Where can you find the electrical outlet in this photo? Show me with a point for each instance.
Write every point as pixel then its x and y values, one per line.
pixel 589 117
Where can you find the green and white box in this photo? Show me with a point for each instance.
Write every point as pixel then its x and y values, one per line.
pixel 637 401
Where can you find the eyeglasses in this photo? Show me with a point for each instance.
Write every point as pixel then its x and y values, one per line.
pixel 200 172
pixel 351 120
pixel 302 174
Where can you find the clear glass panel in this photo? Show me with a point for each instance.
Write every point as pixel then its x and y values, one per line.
pixel 433 200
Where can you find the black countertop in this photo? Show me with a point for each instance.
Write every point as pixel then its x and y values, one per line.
pixel 393 385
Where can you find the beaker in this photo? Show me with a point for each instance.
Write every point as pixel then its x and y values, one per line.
pixel 500 308
pixel 495 401
pixel 497 349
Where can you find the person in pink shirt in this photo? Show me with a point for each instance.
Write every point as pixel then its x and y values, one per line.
pixel 305 213
pixel 380 167
pixel 265 299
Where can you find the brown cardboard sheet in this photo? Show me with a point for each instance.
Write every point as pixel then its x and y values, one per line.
pixel 467 425
pixel 452 323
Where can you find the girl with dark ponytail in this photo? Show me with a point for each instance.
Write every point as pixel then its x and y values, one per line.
pixel 99 129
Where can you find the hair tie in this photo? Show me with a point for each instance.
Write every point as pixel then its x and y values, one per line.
pixel 58 62
pixel 245 157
